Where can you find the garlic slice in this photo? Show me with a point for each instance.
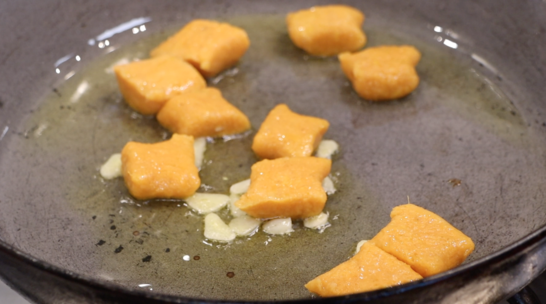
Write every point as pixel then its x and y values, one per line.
pixel 327 148
pixel 360 245
pixel 278 226
pixel 112 167
pixel 207 202
pixel 328 186
pixel 240 187
pixel 316 221
pixel 199 148
pixel 216 229
pixel 244 225
pixel 235 211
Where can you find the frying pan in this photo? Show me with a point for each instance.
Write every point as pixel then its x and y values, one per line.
pixel 468 144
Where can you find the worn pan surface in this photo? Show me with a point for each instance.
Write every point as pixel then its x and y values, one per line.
pixel 468 144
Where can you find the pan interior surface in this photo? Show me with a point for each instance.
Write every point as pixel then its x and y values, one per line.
pixel 458 146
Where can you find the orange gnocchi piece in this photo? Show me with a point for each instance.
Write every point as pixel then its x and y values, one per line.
pixel 286 187
pixel 382 73
pixel 288 134
pixel 423 240
pixel 202 113
pixel 208 45
pixel 146 85
pixel 162 170
pixel 327 30
pixel 370 269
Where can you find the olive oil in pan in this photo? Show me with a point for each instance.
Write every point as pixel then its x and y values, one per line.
pixel 388 151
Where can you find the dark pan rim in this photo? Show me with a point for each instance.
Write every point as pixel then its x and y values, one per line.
pixel 513 250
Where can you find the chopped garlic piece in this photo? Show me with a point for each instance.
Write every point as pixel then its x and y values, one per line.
pixel 316 221
pixel 327 148
pixel 112 167
pixel 244 225
pixel 199 146
pixel 360 245
pixel 278 226
pixel 207 202
pixel 235 211
pixel 240 187
pixel 216 229
pixel 328 186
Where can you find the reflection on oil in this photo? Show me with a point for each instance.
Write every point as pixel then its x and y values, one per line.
pixel 69 75
pixel 451 44
pixel 102 41
pixel 62 60
pixel 147 286
pixel 4 132
pixel 447 42
pixel 136 30
pixel 450 33
pixel 484 63
pixel 80 90
pixel 119 29
pixel 454 45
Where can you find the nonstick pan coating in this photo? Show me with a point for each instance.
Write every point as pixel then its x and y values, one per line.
pixel 477 118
